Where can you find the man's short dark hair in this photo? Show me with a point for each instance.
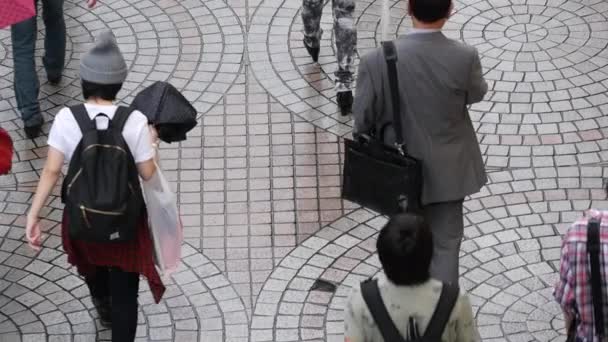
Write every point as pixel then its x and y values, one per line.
pixel 430 11
pixel 106 92
pixel 405 249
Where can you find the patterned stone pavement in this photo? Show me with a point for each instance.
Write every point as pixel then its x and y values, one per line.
pixel 271 250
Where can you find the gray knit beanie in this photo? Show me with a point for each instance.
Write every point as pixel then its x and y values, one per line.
pixel 103 64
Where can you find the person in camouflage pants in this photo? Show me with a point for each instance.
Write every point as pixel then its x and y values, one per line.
pixel 345 33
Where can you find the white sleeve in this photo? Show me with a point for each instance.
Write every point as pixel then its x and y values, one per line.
pixel 57 135
pixel 141 146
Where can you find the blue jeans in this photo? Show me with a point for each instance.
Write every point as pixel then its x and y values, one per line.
pixel 24 35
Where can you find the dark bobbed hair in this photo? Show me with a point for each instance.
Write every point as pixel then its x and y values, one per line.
pixel 106 92
pixel 405 249
pixel 430 11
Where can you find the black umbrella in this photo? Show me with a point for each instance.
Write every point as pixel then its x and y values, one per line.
pixel 167 109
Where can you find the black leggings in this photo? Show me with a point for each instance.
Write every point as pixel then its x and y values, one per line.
pixel 122 287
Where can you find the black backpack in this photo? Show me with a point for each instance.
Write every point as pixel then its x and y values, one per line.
pixel 390 333
pixel 101 192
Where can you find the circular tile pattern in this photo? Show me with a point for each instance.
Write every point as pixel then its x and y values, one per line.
pixel 342 253
pixel 526 33
pixel 509 260
pixel 42 297
pixel 543 62
pixel 197 46
pixel 545 105
pixel 534 316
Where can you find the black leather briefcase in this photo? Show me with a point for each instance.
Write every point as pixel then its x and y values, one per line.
pixel 381 177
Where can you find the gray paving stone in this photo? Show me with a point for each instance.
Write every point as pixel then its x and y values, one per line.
pixel 268 158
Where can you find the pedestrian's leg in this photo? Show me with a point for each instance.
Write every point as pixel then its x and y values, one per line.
pixel 98 283
pixel 345 32
pixel 99 286
pixel 54 42
pixel 124 287
pixel 312 10
pixel 23 37
pixel 446 222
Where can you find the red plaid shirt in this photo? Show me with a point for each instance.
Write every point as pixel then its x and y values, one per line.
pixel 573 290
pixel 135 256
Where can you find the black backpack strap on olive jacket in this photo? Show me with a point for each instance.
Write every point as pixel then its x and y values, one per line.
pixel 375 304
pixel 443 311
pixel 390 333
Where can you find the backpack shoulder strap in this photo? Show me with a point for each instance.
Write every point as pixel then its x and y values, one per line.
pixel 443 311
pixel 593 248
pixel 375 304
pixel 120 118
pixel 82 118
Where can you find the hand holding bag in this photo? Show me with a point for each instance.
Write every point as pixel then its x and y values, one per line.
pixel 168 110
pixel 378 176
pixel 165 223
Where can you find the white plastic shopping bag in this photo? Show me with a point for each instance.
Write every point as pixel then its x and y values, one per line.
pixel 165 223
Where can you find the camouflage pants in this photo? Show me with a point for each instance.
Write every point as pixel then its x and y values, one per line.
pixel 345 34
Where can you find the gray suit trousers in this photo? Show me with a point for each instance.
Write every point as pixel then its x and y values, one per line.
pixel 447 225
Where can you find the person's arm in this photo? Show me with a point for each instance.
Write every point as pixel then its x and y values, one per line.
pixel 91 3
pixel 568 319
pixel 155 142
pixel 564 289
pixel 146 169
pixel 364 106
pixel 146 150
pixel 48 180
pixel 478 87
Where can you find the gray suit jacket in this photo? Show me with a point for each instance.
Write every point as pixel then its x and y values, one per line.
pixel 438 77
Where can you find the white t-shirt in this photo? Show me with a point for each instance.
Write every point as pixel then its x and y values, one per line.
pixel 65 133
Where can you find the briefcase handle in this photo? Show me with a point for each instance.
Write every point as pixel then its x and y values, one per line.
pixel 367 139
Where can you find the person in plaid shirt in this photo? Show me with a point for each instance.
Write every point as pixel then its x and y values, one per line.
pixel 573 289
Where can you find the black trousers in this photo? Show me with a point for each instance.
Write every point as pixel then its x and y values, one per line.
pixel 122 287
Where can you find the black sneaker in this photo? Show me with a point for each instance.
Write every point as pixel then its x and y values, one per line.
pixel 33 132
pixel 313 52
pixel 345 102
pixel 55 80
pixel 104 310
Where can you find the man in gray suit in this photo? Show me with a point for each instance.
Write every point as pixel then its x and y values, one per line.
pixel 438 78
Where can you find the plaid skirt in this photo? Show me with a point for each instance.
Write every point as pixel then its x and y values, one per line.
pixel 135 256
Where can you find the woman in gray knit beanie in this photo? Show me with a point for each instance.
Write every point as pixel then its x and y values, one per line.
pixel 111 269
